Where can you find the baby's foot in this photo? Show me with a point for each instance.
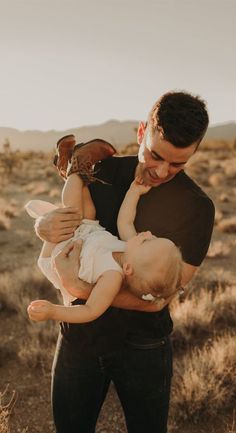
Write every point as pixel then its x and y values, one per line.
pixel 63 156
pixel 86 155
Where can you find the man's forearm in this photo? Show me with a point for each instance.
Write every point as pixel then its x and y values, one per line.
pixel 127 301
pixel 124 299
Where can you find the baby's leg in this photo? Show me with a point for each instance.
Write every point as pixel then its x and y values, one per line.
pixel 75 194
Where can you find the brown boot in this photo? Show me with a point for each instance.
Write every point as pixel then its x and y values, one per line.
pixel 63 156
pixel 85 155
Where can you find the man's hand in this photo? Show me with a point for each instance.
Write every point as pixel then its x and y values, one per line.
pixel 128 301
pixel 58 225
pixel 67 264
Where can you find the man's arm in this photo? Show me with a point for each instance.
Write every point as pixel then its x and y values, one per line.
pixel 67 266
pixel 127 212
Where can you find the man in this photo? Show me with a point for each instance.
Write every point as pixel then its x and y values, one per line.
pixel 130 344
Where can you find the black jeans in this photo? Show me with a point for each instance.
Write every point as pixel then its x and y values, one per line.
pixel 140 370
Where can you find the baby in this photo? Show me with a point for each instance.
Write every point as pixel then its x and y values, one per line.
pixel 148 265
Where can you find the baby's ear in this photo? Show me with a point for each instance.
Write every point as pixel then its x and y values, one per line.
pixel 127 268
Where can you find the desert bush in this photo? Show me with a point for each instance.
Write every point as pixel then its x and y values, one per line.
pixel 217 145
pixel 7 211
pixel 38 346
pixel 38 188
pixel 9 160
pixel 228 225
pixel 218 249
pixel 203 315
pixel 16 292
pixel 216 179
pixel 17 289
pixel 205 380
pixel 5 222
pixel 5 412
pixel 231 428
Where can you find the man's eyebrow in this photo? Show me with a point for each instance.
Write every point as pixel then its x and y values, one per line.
pixel 162 159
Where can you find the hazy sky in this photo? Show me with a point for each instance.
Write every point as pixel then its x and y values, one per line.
pixel 68 63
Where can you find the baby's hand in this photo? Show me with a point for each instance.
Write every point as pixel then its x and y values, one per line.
pixel 138 186
pixel 40 310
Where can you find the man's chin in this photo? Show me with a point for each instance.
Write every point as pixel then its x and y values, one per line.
pixel 155 181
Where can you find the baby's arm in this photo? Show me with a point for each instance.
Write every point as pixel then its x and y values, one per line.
pixel 101 297
pixel 127 212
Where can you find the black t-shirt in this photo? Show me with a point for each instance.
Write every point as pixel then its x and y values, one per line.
pixel 178 210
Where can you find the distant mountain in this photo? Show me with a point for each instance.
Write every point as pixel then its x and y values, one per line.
pixel 224 131
pixel 118 133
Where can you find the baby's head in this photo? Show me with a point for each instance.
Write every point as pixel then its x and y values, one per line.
pixel 152 265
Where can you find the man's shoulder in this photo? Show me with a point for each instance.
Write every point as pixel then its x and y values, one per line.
pixel 117 168
pixel 182 195
pixel 185 185
pixel 193 189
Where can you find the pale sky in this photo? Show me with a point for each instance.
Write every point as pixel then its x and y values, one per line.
pixel 70 63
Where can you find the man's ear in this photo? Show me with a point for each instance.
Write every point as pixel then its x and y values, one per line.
pixel 140 132
pixel 127 268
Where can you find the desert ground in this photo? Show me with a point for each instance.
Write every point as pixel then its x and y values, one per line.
pixel 204 381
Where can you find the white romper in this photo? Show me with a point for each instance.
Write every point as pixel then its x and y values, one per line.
pixel 96 254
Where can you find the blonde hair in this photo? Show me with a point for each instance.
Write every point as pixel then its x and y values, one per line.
pixel 164 285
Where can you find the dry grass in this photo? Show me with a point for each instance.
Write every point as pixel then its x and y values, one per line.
pixel 18 288
pixel 203 315
pixel 7 211
pixel 218 249
pixel 228 225
pixel 38 346
pixel 231 428
pixel 16 292
pixel 205 380
pixel 5 411
pixel 5 222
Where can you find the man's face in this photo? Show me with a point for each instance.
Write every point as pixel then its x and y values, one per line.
pixel 159 160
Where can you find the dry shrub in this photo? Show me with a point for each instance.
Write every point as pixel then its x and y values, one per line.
pixel 203 315
pixel 225 308
pixel 218 216
pixel 215 144
pixel 54 193
pixel 130 149
pixel 38 347
pixel 204 380
pixel 17 289
pixel 7 211
pixel 218 249
pixel 224 198
pixel 5 412
pixel 8 207
pixel 216 179
pixel 37 188
pixel 229 167
pixel 16 292
pixel 5 222
pixel 232 427
pixel 228 225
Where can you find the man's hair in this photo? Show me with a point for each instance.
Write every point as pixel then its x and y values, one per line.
pixel 181 117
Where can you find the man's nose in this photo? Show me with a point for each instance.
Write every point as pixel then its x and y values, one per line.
pixel 162 170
